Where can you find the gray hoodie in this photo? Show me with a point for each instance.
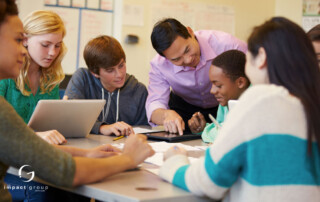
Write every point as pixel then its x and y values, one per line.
pixel 126 103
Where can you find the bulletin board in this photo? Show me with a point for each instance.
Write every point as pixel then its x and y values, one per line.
pixel 196 14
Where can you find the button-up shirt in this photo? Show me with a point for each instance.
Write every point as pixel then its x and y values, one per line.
pixel 191 84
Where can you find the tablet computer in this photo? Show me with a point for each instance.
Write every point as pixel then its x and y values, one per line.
pixel 172 137
pixel 72 118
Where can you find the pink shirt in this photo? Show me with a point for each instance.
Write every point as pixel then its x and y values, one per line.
pixel 191 84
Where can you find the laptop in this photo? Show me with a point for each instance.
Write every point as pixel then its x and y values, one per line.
pixel 72 118
pixel 172 137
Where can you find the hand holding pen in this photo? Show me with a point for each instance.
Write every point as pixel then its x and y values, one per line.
pixel 197 123
pixel 214 121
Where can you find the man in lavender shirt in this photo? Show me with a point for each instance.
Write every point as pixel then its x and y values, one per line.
pixel 179 84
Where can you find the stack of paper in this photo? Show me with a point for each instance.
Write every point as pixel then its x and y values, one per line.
pixel 160 148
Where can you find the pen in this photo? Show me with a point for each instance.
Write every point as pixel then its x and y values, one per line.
pixel 214 121
pixel 118 138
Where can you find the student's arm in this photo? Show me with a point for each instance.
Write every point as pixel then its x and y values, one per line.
pixel 135 151
pixel 20 146
pixel 224 161
pixel 52 137
pixel 210 132
pixel 210 176
pixel 97 152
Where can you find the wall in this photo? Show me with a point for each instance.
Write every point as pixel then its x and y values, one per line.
pixel 291 9
pixel 81 25
pixel 248 13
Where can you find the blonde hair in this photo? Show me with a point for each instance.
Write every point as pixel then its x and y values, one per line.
pixel 38 23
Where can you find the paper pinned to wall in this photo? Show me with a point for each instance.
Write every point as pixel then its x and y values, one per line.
pixel 79 3
pixel 311 14
pixel 93 24
pixel 196 15
pixel 310 21
pixel 64 3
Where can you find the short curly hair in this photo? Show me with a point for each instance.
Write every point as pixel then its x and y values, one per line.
pixel 314 33
pixel 232 63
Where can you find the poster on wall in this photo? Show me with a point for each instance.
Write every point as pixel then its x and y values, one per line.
pixel 310 14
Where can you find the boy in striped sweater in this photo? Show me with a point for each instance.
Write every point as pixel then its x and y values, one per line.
pixel 268 148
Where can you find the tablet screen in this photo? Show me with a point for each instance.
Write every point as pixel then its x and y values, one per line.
pixel 172 137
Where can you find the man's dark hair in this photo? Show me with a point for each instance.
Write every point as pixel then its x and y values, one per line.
pixel 165 32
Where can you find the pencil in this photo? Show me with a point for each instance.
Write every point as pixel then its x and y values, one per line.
pixel 214 121
pixel 118 138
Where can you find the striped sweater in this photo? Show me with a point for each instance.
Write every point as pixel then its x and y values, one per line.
pixel 260 155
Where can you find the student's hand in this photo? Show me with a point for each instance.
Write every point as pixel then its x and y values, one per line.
pixel 103 151
pixel 197 123
pixel 174 151
pixel 118 128
pixel 52 136
pixel 137 149
pixel 173 123
pixel 65 97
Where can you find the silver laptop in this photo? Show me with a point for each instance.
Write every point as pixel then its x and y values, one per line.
pixel 72 118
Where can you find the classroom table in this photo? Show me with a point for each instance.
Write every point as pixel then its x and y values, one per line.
pixel 135 185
